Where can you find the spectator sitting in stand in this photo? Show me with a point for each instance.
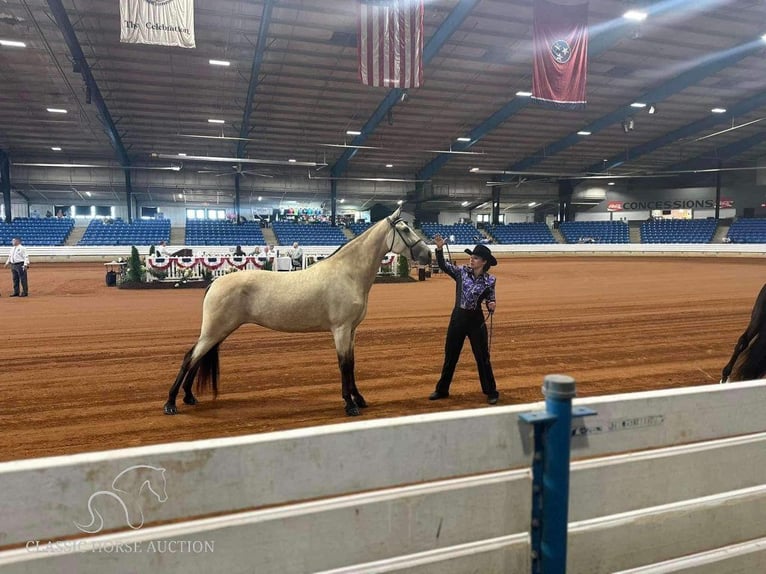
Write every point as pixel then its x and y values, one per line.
pixel 162 250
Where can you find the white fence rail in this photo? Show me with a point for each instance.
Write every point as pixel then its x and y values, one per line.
pixel 107 253
pixel 655 476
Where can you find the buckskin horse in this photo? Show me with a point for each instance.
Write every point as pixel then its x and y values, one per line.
pixel 331 295
pixel 748 362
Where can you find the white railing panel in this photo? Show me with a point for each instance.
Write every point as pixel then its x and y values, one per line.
pixel 226 475
pixel 649 535
pixel 289 466
pixel 598 486
pixel 314 536
pixel 745 558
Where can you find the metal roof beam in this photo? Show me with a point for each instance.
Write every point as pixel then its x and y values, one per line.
pixel 603 37
pixel 691 77
pixel 73 44
pixel 599 44
pixel 255 71
pixel 739 109
pixel 432 47
pixel 723 153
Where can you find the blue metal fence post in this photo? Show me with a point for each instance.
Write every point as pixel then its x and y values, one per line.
pixel 550 474
pixel 559 390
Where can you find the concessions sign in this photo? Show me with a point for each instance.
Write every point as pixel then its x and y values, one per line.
pixel 668 204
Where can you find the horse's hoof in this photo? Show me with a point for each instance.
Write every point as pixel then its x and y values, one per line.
pixel 170 408
pixel 352 411
pixel 360 402
pixel 190 400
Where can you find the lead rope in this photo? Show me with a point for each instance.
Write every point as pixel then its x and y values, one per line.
pixel 491 314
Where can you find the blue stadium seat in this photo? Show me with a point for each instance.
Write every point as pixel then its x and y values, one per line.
pixel 748 231
pixel 359 228
pixel 597 231
pixel 521 233
pixel 118 232
pixel 464 233
pixel 678 231
pixel 318 233
pixel 220 233
pixel 37 231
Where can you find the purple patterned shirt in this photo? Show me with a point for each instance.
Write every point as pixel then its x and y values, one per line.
pixel 471 291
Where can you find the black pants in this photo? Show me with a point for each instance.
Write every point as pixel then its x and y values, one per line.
pixel 19 275
pixel 469 324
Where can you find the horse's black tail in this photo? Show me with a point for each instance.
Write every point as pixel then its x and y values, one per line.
pixel 208 371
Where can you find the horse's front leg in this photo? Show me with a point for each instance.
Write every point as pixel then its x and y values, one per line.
pixel 344 345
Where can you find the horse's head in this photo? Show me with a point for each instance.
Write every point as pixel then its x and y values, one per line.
pixel 405 240
pixel 141 476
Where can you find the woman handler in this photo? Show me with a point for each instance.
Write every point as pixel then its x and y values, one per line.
pixel 474 286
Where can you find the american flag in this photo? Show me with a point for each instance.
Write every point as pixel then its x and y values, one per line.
pixel 391 43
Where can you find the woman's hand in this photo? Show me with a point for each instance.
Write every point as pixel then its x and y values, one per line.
pixel 491 306
pixel 439 240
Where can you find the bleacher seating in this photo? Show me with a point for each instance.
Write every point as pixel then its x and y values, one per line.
pixel 521 233
pixel 465 233
pixel 119 232
pixel 678 231
pixel 359 228
pixel 37 231
pixel 595 231
pixel 207 232
pixel 319 233
pixel 748 231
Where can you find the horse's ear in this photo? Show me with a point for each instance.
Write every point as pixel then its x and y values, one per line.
pixel 397 214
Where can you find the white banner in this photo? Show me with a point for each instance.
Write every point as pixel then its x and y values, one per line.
pixel 163 22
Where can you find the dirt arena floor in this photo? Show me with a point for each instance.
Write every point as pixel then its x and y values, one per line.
pixel 86 367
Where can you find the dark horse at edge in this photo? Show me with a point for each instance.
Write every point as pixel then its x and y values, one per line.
pixel 748 362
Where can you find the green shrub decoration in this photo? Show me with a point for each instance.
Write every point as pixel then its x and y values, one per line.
pixel 403 269
pixel 135 272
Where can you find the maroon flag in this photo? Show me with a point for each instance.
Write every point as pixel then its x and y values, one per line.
pixel 390 43
pixel 560 39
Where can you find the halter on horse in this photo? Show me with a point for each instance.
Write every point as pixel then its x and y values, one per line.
pixel 328 296
pixel 748 362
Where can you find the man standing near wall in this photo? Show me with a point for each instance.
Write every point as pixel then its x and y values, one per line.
pixel 19 262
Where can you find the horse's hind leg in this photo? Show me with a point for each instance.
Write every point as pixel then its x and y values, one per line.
pixel 183 374
pixel 344 345
pixel 191 365
pixel 189 398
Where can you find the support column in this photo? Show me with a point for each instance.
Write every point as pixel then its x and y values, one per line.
pixel 236 197
pixel 129 195
pixel 333 201
pixel 495 205
pixel 718 192
pixel 5 183
pixel 566 209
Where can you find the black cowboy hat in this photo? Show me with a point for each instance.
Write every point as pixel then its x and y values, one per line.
pixel 484 252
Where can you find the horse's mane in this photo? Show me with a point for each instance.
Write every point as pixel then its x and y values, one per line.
pixel 366 231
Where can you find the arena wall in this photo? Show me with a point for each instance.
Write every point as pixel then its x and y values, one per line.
pixel 109 253
pixel 655 476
